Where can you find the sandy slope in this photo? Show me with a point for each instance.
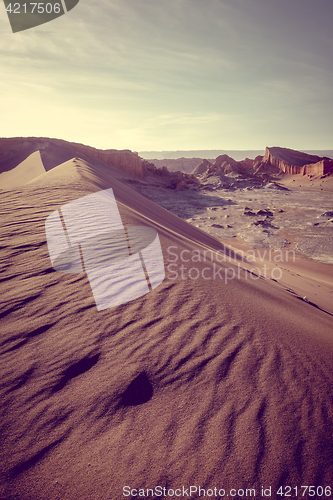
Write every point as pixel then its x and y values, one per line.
pixel 298 275
pixel 198 383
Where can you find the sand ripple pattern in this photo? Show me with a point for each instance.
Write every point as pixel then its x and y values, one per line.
pixel 196 383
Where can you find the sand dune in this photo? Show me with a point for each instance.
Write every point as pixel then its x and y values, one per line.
pixel 24 172
pixel 207 382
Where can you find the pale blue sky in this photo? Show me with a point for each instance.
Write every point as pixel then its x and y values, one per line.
pixel 173 74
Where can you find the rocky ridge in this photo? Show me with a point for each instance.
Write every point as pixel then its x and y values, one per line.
pixel 56 151
pixel 294 162
pixel 275 161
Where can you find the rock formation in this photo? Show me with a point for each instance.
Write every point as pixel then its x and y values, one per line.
pixel 275 161
pixel 294 162
pixel 226 164
pixel 202 167
pixel 174 180
pixel 221 166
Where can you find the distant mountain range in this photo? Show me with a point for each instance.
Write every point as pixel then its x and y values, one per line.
pixel 275 161
pixel 208 154
pixel 186 161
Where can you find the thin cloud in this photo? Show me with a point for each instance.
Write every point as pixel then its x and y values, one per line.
pixel 160 67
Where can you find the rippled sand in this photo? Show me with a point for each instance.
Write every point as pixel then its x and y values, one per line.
pixel 202 382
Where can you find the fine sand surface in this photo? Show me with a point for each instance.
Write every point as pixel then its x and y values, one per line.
pixel 207 382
